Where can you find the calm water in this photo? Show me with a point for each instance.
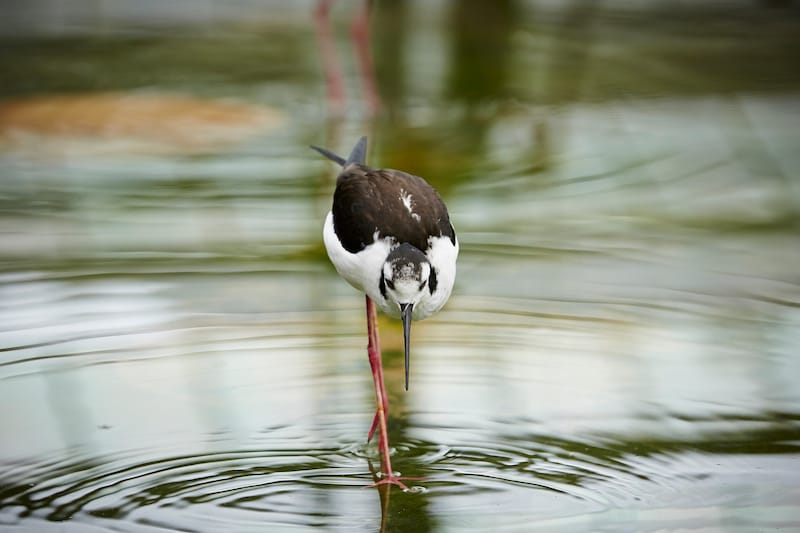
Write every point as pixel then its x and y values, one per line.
pixel 622 349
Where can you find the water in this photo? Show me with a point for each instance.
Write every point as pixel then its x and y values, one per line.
pixel 621 349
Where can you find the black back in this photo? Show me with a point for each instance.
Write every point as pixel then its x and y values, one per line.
pixel 369 200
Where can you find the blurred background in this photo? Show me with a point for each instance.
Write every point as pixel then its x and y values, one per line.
pixel 622 348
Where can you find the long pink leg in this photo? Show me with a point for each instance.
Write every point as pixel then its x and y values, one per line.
pixel 377 369
pixel 359 32
pixel 333 73
pixel 374 352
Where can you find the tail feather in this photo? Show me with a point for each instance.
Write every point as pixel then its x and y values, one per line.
pixel 358 155
pixel 330 155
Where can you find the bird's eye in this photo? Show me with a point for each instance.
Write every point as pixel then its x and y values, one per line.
pixel 422 285
pixel 390 284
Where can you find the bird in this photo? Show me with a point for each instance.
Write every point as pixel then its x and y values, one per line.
pixel 389 235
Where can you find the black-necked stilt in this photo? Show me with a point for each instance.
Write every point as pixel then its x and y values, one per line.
pixel 389 235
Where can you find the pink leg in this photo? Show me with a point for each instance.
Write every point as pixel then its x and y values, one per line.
pixel 333 73
pixel 374 352
pixel 359 32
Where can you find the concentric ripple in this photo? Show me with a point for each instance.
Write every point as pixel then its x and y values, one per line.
pixel 273 481
pixel 521 409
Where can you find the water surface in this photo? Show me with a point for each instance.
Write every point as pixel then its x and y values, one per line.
pixel 621 348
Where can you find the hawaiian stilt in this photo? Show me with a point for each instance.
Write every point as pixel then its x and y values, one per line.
pixel 389 235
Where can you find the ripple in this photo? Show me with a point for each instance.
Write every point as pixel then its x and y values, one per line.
pixel 478 468
pixel 85 487
pixel 205 413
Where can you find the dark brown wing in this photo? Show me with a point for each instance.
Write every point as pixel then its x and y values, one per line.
pixel 391 202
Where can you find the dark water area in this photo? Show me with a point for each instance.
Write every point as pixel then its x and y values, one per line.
pixel 622 348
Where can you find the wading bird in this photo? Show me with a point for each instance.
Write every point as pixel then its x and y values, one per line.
pixel 389 235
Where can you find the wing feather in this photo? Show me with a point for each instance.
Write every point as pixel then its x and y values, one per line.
pixel 390 202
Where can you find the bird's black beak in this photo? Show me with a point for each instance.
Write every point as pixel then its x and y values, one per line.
pixel 405 311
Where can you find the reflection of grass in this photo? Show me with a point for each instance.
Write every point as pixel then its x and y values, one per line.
pixel 198 61
pixel 122 265
pixel 592 54
pixel 658 52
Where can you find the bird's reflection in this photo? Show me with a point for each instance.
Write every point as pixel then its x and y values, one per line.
pixel 384 493
pixel 408 510
pixel 334 77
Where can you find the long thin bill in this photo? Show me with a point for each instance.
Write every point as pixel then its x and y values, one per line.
pixel 405 310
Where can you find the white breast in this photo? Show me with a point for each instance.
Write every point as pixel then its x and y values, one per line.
pixel 442 254
pixel 362 270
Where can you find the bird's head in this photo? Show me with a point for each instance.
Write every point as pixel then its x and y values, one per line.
pixel 406 278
